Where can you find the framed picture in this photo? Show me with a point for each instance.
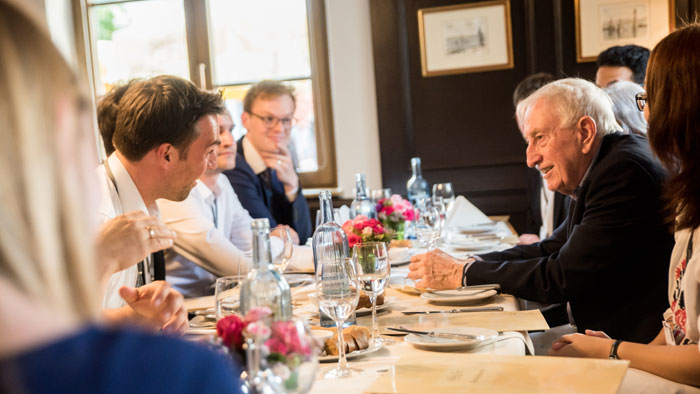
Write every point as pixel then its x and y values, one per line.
pixel 465 38
pixel 601 24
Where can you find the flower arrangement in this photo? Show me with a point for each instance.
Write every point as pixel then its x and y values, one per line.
pixel 363 229
pixel 283 347
pixel 394 212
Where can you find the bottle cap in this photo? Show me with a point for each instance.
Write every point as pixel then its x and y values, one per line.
pixel 260 224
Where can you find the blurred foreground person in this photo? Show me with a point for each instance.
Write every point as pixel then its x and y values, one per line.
pixel 673 111
pixel 49 287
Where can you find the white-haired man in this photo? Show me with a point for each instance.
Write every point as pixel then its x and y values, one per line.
pixel 607 261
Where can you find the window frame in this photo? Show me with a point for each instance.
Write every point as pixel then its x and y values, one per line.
pixel 200 66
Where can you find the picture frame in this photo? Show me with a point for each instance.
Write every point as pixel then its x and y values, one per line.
pixel 465 38
pixel 601 24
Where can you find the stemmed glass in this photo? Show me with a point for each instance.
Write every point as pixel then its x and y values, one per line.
pixel 445 191
pixel 282 260
pixel 428 224
pixel 372 262
pixel 337 290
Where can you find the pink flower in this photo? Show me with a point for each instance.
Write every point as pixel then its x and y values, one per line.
pixel 258 329
pixel 230 330
pixel 358 226
pixel 353 239
pixel 367 231
pixel 276 345
pixel 409 215
pixel 257 313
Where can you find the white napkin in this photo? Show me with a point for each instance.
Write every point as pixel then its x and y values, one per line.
pixel 465 214
pixel 343 214
pixel 302 260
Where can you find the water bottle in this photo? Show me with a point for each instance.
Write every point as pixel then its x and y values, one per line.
pixel 329 242
pixel 362 205
pixel 264 285
pixel 416 187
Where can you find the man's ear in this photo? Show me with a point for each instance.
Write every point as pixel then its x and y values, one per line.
pixel 166 154
pixel 245 118
pixel 587 133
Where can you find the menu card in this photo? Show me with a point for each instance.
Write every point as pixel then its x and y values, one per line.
pixel 478 373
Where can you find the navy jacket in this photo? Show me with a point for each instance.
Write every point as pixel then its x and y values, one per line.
pixel 270 203
pixel 609 260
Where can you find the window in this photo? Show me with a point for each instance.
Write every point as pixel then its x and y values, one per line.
pixel 226 45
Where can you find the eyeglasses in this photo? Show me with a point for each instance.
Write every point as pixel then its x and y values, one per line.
pixel 271 121
pixel 641 98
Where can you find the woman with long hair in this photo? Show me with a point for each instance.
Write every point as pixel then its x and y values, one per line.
pixel 49 281
pixel 672 107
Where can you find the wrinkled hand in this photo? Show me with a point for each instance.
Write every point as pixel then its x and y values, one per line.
pixel 436 270
pixel 527 239
pixel 579 345
pixel 279 232
pixel 281 162
pixel 125 240
pixel 158 306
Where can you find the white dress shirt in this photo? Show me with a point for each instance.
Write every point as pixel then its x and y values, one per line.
pixel 546 211
pixel 119 195
pixel 205 250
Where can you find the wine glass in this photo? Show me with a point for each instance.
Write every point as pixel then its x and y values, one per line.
pixel 428 224
pixel 226 295
pixel 445 191
pixel 372 262
pixel 282 260
pixel 337 292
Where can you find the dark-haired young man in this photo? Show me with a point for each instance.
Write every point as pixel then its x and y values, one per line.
pixel 622 63
pixel 165 136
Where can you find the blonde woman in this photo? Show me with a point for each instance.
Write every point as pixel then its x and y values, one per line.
pixel 49 283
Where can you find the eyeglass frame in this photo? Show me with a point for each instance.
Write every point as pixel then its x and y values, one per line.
pixel 641 100
pixel 272 121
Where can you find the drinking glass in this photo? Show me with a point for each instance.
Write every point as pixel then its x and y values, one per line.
pixel 372 262
pixel 337 292
pixel 445 191
pixel 378 194
pixel 428 224
pixel 226 295
pixel 282 260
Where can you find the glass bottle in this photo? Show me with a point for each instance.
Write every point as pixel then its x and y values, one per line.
pixel 329 242
pixel 362 205
pixel 416 187
pixel 264 285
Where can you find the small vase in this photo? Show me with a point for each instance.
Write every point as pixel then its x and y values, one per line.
pixel 397 227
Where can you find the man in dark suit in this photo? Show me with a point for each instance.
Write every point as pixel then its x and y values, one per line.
pixel 609 259
pixel 265 177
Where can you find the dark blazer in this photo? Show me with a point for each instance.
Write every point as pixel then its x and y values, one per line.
pixel 610 258
pixel 270 203
pixel 534 211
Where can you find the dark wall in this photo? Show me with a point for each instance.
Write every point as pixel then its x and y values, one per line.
pixel 462 126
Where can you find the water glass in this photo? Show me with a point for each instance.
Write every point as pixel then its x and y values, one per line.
pixel 227 295
pixel 373 268
pixel 282 260
pixel 337 291
pixel 445 191
pixel 428 225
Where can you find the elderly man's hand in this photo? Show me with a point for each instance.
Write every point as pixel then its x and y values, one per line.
pixel 436 270
pixel 157 306
pixel 579 345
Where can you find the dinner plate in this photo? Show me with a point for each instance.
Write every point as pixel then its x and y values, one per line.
pixel 371 349
pixel 472 246
pixel 446 344
pixel 477 228
pixel 458 297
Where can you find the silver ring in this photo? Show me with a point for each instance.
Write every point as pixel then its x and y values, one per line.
pixel 151 232
pixel 279 162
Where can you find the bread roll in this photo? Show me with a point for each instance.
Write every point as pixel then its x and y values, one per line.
pixel 365 303
pixel 355 337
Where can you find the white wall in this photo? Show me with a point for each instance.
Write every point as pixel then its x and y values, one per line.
pixel 353 93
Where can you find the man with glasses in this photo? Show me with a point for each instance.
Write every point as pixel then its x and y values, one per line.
pixel 265 177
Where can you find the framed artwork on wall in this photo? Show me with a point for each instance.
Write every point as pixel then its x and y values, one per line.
pixel 601 24
pixel 465 38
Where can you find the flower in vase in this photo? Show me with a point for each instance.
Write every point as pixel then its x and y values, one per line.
pixel 230 330
pixel 257 313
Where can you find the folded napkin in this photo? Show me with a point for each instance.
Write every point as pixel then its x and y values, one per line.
pixel 343 214
pixel 464 214
pixel 399 254
pixel 302 260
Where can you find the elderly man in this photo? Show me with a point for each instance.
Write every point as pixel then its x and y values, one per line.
pixel 622 63
pixel 165 137
pixel 212 227
pixel 608 260
pixel 265 179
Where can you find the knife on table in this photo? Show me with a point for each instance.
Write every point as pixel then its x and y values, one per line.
pixel 459 337
pixel 461 310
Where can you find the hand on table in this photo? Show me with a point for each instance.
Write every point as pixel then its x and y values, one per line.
pixel 595 344
pixel 436 270
pixel 127 239
pixel 527 239
pixel 157 306
pixel 281 162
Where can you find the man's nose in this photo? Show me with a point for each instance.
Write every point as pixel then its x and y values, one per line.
pixel 226 139
pixel 533 156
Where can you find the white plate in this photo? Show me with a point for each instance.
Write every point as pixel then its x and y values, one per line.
pixel 446 344
pixel 371 349
pixel 476 229
pixel 458 297
pixel 472 246
pixel 312 307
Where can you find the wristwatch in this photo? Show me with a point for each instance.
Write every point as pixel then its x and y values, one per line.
pixel 613 350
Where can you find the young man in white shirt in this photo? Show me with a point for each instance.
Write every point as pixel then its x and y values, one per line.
pixel 212 227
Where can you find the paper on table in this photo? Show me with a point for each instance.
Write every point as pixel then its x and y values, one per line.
pixel 302 260
pixel 476 373
pixel 464 213
pixel 529 320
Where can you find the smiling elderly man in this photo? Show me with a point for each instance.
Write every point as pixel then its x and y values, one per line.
pixel 608 261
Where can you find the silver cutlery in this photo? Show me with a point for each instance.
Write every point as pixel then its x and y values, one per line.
pixel 433 334
pixel 461 310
